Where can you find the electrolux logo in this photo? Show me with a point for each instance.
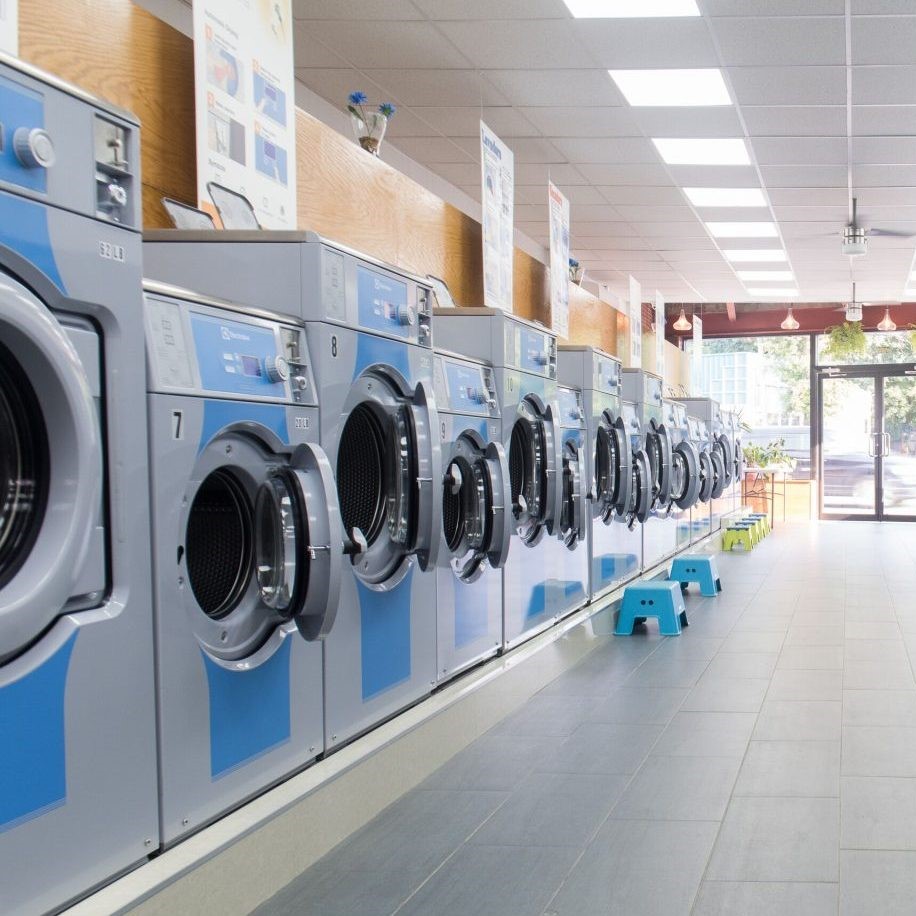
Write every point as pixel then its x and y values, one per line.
pixel 492 147
pixel 229 334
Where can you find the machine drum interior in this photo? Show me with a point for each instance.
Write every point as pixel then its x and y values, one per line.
pixel 520 465
pixel 453 519
pixel 361 472
pixel 607 479
pixel 218 544
pixel 24 467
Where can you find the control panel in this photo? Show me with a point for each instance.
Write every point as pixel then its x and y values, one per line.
pixel 606 374
pixel 572 412
pixel 535 350
pixel 66 148
pixel 464 387
pixel 653 390
pixel 201 349
pixel 631 425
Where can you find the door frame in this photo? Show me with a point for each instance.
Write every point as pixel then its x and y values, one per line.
pixel 878 372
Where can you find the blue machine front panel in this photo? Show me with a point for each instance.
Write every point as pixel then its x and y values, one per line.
pixel 532 346
pixel 220 414
pixel 20 107
pixel 231 356
pixel 33 763
pixel 373 351
pixel 466 388
pixel 249 710
pixel 472 612
pixel 380 297
pixel 384 636
pixel 569 407
pixel 607 378
pixel 24 229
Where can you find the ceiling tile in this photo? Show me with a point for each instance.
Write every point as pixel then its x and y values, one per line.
pixel 884 85
pixel 860 7
pixel 618 243
pixel 776 41
pixel 430 87
pixel 310 53
pixel 879 176
pixel 890 197
pixel 645 195
pixel 355 9
pixel 808 197
pixel 883 39
pixel 636 174
pixel 406 123
pixel 889 120
pixel 674 214
pixel 525 149
pixel 371 44
pixel 545 88
pixel 647 43
pixel 715 176
pixel 486 9
pixel 810 151
pixel 432 150
pixel 838 214
pixel 623 150
pixel 801 176
pixel 538 173
pixel 773 7
pixel 459 173
pixel 583 122
pixel 790 85
pixel 516 44
pixel 504 120
pixel 715 122
pixel 795 121
pixel 879 150
pixel 593 212
pixel 680 230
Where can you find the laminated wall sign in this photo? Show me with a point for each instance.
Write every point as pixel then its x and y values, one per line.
pixel 245 104
pixel 559 260
pixel 635 313
pixel 497 198
pixel 660 334
pixel 9 27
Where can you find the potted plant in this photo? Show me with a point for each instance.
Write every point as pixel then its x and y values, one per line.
pixel 845 341
pixel 368 126
pixel 575 271
pixel 772 456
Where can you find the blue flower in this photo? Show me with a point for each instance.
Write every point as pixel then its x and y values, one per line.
pixel 357 98
pixel 573 262
pixel 387 109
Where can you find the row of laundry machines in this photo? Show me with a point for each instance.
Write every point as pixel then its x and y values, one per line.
pixel 263 500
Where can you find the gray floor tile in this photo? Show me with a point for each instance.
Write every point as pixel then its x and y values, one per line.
pixel 679 789
pixel 789 684
pixel 802 768
pixel 811 658
pixel 706 734
pixel 876 650
pixel 743 664
pixel 877 883
pixel 665 671
pixel 799 720
pixel 552 809
pixel 753 642
pixel 599 748
pixel 828 618
pixel 727 694
pixel 879 707
pixel 492 763
pixel 878 629
pixel 890 674
pixel 778 839
pixel 764 898
pixel 483 880
pixel 637 868
pixel 825 635
pixel 870 613
pixel 646 705
pixel 689 645
pixel 877 812
pixel 546 716
pixel 876 751
pixel 761 622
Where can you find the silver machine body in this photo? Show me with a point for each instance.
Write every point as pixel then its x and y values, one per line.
pixel 721 464
pixel 614 549
pixel 78 796
pixel 370 338
pixel 247 550
pixel 476 514
pixel 686 477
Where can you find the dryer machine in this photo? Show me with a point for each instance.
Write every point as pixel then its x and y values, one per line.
pixel 644 389
pixel 476 514
pixel 701 512
pixel 721 455
pixel 641 488
pixel 524 358
pixel 686 478
pixel 370 336
pixel 737 440
pixel 78 800
pixel 247 551
pixel 614 550
pixel 570 591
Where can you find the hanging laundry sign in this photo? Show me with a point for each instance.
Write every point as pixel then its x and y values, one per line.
pixel 497 198
pixel 559 259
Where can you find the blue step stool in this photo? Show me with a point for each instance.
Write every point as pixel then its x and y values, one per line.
pixel 699 568
pixel 656 598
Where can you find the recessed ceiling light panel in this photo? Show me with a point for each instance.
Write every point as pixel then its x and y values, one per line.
pixel 765 275
pixel 743 230
pixel 769 255
pixel 726 197
pixel 679 151
pixel 631 9
pixel 672 88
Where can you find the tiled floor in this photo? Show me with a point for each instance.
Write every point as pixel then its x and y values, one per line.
pixel 764 761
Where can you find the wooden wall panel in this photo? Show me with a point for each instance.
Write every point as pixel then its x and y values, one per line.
pixel 591 321
pixel 124 54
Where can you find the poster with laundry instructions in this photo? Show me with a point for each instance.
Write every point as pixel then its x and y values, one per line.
pixel 9 27
pixel 559 259
pixel 635 312
pixel 245 97
pixel 660 334
pixel 497 200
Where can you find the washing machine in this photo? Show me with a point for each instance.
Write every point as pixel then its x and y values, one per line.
pixel 721 456
pixel 686 478
pixel 614 549
pixel 369 328
pixel 476 514
pixel 659 538
pixel 737 440
pixel 247 552
pixel 701 512
pixel 524 358
pixel 78 798
pixel 641 488
pixel 569 591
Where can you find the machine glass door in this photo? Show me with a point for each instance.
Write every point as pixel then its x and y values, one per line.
pixel 686 478
pixel 707 476
pixel 658 447
pixel 641 489
pixel 719 472
pixel 532 470
pixel 572 525
pixel 613 463
pixel 296 522
pixel 722 451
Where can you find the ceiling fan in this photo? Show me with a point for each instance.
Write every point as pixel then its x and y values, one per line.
pixel 853 308
pixel 855 238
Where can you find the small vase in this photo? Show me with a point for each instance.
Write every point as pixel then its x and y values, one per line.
pixel 369 132
pixel 575 274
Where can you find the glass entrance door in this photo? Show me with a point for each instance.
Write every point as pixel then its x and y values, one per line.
pixel 867 435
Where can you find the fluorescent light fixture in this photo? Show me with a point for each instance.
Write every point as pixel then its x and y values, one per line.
pixel 682 323
pixel 631 9
pixel 887 323
pixel 911 293
pixel 775 291
pixel 765 275
pixel 672 88
pixel 677 151
pixel 725 197
pixel 743 230
pixel 768 255
pixel 790 322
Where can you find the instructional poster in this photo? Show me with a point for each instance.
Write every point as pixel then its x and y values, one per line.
pixel 559 260
pixel 696 356
pixel 635 324
pixel 660 334
pixel 9 27
pixel 245 98
pixel 497 199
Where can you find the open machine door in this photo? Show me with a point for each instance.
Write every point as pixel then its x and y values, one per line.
pixel 686 477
